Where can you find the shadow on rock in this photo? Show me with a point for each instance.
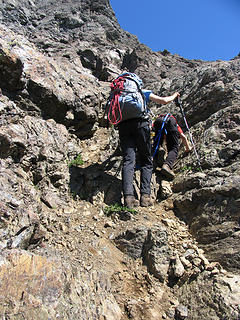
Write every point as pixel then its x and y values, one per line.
pixel 97 183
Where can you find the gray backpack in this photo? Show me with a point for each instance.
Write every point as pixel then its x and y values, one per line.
pixel 126 100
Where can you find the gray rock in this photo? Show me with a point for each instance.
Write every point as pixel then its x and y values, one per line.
pixel 181 312
pixel 132 242
pixel 157 253
pixel 178 268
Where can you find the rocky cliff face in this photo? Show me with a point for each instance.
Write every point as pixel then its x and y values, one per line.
pixel 63 255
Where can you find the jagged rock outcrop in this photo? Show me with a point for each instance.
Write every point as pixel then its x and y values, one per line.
pixel 62 256
pixel 213 215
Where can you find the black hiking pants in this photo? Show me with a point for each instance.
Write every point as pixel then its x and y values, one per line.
pixel 172 138
pixel 134 137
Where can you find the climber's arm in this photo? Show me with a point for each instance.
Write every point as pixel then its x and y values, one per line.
pixel 163 100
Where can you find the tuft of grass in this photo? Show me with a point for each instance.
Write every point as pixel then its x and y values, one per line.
pixel 116 208
pixel 190 168
pixel 78 161
pixel 186 168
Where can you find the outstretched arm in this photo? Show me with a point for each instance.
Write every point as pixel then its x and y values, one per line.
pixel 163 100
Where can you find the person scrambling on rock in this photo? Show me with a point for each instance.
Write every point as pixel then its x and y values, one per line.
pixel 127 108
pixel 166 128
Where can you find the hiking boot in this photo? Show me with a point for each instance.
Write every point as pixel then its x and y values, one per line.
pixel 167 172
pixel 145 200
pixel 130 202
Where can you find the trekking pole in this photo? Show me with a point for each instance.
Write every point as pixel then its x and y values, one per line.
pixel 118 169
pixel 179 104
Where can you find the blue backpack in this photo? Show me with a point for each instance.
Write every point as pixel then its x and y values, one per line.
pixel 126 100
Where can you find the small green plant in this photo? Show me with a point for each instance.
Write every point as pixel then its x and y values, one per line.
pixel 78 161
pixel 186 168
pixel 116 208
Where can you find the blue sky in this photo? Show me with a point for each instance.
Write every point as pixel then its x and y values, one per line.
pixel 194 29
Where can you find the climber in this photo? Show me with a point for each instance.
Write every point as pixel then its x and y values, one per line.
pixel 167 129
pixel 134 134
